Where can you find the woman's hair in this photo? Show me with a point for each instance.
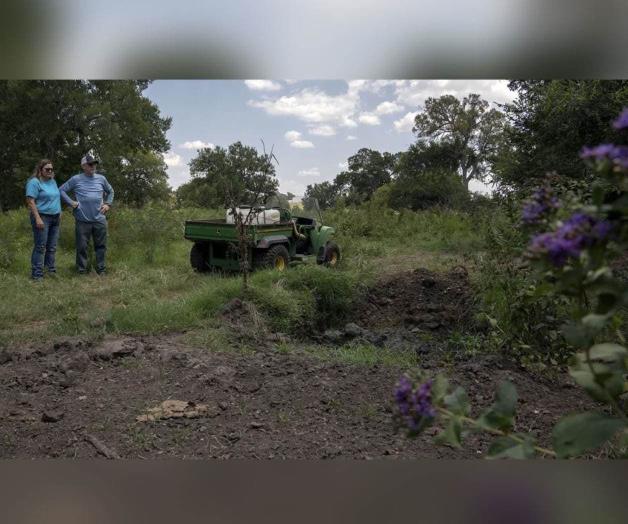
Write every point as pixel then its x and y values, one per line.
pixel 39 166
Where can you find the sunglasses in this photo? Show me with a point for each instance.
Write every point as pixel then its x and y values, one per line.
pixel 92 164
pixel 48 169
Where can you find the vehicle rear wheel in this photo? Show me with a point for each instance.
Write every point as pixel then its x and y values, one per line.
pixel 277 257
pixel 332 255
pixel 199 257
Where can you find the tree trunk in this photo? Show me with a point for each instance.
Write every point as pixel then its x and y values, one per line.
pixel 465 179
pixel 242 250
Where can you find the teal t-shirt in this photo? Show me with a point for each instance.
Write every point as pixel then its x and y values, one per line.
pixel 45 194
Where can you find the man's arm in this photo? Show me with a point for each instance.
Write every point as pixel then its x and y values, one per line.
pixel 65 189
pixel 108 190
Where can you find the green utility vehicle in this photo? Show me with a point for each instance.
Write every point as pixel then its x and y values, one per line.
pixel 275 239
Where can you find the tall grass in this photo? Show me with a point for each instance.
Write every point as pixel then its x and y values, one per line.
pixel 151 288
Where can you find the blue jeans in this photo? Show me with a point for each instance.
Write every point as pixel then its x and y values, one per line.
pixel 45 245
pixel 84 232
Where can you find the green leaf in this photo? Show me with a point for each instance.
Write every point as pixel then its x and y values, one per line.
pixel 458 402
pixel 604 375
pixel 506 447
pixel 577 335
pixel 595 322
pixel 576 434
pixel 451 434
pixel 597 195
pixel 439 389
pixel 501 414
pixel 607 352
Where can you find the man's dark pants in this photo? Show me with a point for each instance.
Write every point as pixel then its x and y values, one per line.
pixel 85 231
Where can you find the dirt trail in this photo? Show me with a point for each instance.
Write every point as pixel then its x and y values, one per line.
pixel 75 399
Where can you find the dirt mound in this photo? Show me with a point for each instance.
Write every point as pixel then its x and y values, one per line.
pixel 245 320
pixel 420 299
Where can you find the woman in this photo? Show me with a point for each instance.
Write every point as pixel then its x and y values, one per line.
pixel 44 202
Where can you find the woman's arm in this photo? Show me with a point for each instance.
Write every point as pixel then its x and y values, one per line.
pixel 31 205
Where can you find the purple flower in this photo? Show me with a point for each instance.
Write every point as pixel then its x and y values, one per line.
pixel 622 120
pixel 539 206
pixel 617 155
pixel 414 404
pixel 600 152
pixel 577 233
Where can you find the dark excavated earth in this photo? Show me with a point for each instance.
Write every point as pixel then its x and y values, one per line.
pixel 74 399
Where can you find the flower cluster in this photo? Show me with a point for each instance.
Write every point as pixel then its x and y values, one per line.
pixel 617 155
pixel 622 120
pixel 542 203
pixel 414 404
pixel 577 233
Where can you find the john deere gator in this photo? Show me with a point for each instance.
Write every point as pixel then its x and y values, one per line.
pixel 275 239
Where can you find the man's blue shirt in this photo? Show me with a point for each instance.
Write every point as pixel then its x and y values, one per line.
pixel 90 192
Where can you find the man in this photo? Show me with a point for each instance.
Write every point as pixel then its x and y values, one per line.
pixel 90 209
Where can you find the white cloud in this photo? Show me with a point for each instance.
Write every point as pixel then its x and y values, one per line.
pixel 343 165
pixel 369 119
pixel 415 92
pixel 302 144
pixel 178 176
pixel 387 108
pixel 172 159
pixel 348 122
pixel 313 171
pixel 352 137
pixel 324 130
pixel 290 136
pixel 197 144
pixel 405 123
pixel 262 85
pixel 294 137
pixel 314 107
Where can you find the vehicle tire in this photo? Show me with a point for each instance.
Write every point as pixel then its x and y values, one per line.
pixel 277 257
pixel 332 255
pixel 199 257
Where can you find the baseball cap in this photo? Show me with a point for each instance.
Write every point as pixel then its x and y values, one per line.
pixel 89 159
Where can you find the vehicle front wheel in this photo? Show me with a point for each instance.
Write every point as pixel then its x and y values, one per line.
pixel 199 257
pixel 277 257
pixel 332 255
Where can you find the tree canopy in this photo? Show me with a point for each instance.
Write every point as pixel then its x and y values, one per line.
pixel 367 170
pixel 62 120
pixel 471 130
pixel 239 174
pixel 550 121
pixel 425 176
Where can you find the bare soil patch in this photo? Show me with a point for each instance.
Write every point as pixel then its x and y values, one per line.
pixel 421 299
pixel 78 400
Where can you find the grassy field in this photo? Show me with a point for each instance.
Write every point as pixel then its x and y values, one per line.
pixel 150 287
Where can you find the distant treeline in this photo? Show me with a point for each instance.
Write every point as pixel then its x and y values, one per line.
pixel 457 141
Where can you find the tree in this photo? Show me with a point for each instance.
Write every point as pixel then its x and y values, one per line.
pixel 326 193
pixel 367 170
pixel 62 120
pixel 145 179
pixel 280 200
pixel 468 127
pixel 198 193
pixel 549 122
pixel 241 176
pixel 426 176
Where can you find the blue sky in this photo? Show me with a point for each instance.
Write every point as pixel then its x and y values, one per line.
pixel 314 126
